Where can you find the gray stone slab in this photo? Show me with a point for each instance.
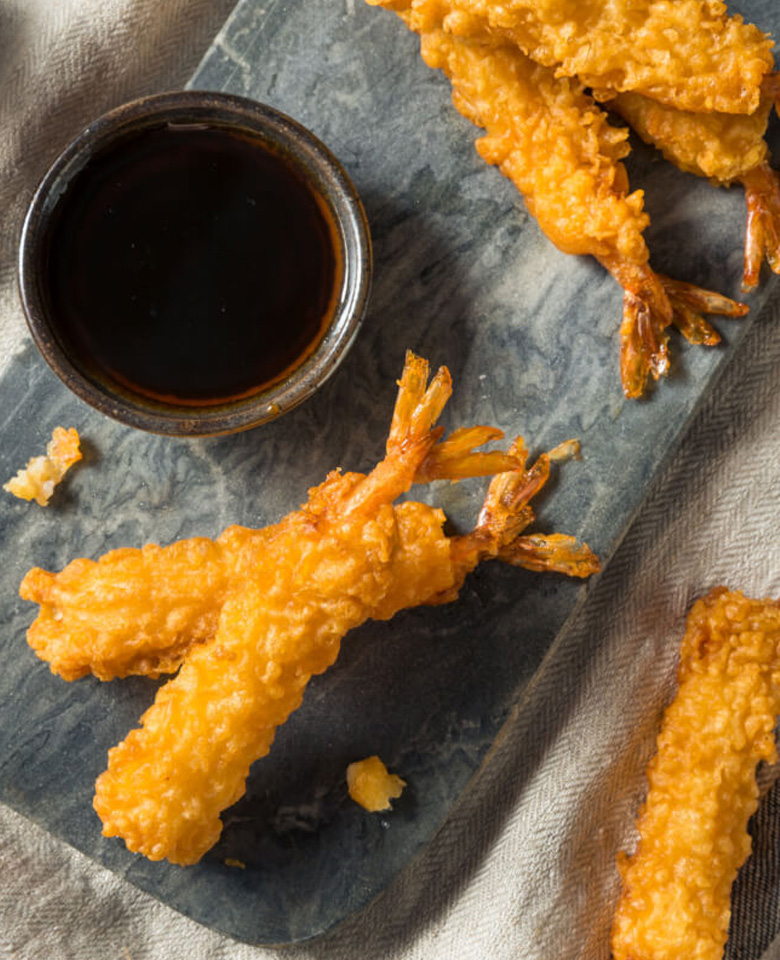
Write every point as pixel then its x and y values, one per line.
pixel 464 277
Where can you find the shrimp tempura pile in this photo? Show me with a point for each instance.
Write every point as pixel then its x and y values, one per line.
pixel 693 827
pixel 251 616
pixel 688 53
pixel 523 71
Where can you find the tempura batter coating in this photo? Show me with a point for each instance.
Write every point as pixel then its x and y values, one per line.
pixel 693 827
pixel 134 611
pixel 281 598
pixel 550 139
pixel 168 781
pixel 688 54
pixel 555 144
pixel 718 146
pixel 42 474
pixel 372 786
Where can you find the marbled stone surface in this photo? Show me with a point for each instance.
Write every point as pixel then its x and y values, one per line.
pixel 464 277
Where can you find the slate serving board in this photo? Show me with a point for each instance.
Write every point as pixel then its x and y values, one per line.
pixel 464 277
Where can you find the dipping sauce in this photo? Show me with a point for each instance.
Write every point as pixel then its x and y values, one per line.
pixel 192 265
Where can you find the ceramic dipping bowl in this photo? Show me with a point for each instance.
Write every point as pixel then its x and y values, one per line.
pixel 119 361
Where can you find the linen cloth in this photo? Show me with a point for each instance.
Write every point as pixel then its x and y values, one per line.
pixel 524 867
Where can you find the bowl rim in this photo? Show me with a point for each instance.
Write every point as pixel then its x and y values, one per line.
pixel 300 147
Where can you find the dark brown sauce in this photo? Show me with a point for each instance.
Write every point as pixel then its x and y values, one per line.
pixel 191 265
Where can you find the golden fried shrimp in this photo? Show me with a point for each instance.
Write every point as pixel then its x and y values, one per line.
pixel 762 233
pixel 281 600
pixel 138 611
pixel 42 474
pixel 688 54
pixel 555 144
pixel 723 148
pixel 693 826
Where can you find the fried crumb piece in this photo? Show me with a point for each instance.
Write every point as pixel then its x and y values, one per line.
pixel 231 862
pixel 42 474
pixel 693 826
pixel 372 786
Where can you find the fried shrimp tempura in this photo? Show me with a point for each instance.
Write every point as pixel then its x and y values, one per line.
pixel 42 474
pixel 555 144
pixel 688 54
pixel 693 827
pixel 723 148
pixel 279 600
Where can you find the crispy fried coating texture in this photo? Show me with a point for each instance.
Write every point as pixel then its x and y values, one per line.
pixel 253 615
pixel 688 54
pixel 134 611
pixel 42 474
pixel 719 146
pixel 548 136
pixel 723 148
pixel 168 781
pixel 551 140
pixel 372 786
pixel 762 233
pixel 702 787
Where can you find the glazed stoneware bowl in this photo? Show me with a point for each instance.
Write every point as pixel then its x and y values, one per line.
pixel 307 158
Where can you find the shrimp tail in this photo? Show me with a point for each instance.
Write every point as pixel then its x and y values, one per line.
pixel 557 553
pixel 507 512
pixel 413 434
pixel 417 407
pixel 770 88
pixel 456 457
pixel 689 303
pixel 416 452
pixel 762 233
pixel 653 302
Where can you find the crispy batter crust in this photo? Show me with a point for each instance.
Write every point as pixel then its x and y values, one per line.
pixel 688 54
pixel 702 787
pixel 168 781
pixel 134 611
pixel 719 146
pixel 551 140
pixel 371 786
pixel 724 148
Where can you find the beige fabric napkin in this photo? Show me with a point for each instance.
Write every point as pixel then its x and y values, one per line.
pixel 63 63
pixel 524 868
